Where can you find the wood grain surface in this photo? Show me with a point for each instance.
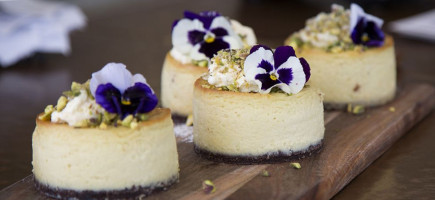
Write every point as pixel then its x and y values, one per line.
pixel 352 143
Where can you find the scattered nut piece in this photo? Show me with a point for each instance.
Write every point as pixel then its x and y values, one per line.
pixel 142 117
pixel 189 120
pixel 208 187
pixel 47 113
pixel 103 125
pixel 358 109
pixel 127 121
pixel 265 173
pixel 295 165
pixel 392 109
pixel 133 124
pixel 61 103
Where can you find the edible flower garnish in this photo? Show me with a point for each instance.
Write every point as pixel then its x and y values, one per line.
pixel 202 35
pixel 120 92
pixel 365 29
pixel 280 69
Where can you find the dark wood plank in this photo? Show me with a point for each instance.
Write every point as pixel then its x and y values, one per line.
pixel 351 144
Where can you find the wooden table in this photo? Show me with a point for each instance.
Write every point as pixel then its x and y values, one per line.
pixel 138 34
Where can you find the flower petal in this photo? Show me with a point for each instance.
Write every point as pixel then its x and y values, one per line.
pixel 266 82
pixel 358 31
pixel 285 75
pixel 298 81
pixel 356 13
pixel 219 32
pixel 180 38
pixel 109 97
pixel 195 37
pixel 282 53
pixel 196 55
pixel 141 97
pixel 267 66
pixel 114 73
pixel 253 60
pixel 256 47
pixel 307 69
pixel 210 49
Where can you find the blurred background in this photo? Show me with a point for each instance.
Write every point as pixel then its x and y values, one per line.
pixel 138 34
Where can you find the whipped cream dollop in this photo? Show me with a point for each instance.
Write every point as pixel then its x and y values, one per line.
pixel 226 70
pixel 245 33
pixel 78 110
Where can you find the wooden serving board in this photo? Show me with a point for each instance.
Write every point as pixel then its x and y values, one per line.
pixel 352 142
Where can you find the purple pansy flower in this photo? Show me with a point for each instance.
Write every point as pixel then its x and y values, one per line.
pixel 365 29
pixel 281 69
pixel 202 35
pixel 120 92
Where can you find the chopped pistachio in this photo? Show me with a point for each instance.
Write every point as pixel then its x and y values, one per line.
pixel 47 113
pixel 358 109
pixel 142 117
pixel 208 187
pixel 108 117
pixel 349 108
pixel 61 103
pixel 392 109
pixel 103 125
pixel 83 123
pixel 265 173
pixel 127 121
pixel 295 165
pixel 133 124
pixel 189 120
pixel 206 86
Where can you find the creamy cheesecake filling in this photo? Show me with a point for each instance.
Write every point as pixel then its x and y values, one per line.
pixel 110 159
pixel 366 78
pixel 252 124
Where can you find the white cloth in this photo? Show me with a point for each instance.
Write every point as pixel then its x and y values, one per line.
pixel 33 26
pixel 419 26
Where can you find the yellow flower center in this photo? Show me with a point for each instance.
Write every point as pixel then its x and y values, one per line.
pixel 273 77
pixel 125 102
pixel 365 37
pixel 209 38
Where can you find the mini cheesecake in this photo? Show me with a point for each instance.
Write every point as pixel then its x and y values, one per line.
pixel 250 128
pixel 352 60
pixel 115 162
pixel 196 38
pixel 354 77
pixel 177 85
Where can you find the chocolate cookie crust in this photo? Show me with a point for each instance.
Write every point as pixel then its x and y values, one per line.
pixel 262 159
pixel 135 192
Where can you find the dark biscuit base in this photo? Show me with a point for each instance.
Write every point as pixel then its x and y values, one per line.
pixel 179 119
pixel 263 159
pixel 135 192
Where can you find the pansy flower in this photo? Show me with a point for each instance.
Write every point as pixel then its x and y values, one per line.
pixel 365 29
pixel 280 69
pixel 202 35
pixel 120 92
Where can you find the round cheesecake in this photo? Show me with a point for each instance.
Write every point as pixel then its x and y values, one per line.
pixel 177 85
pixel 114 162
pixel 249 128
pixel 354 77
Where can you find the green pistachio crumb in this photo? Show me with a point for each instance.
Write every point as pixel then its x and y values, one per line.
pixel 47 113
pixel 61 103
pixel 265 173
pixel 189 120
pixel 208 187
pixel 358 109
pixel 295 165
pixel 127 121
pixel 133 124
pixel 142 117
